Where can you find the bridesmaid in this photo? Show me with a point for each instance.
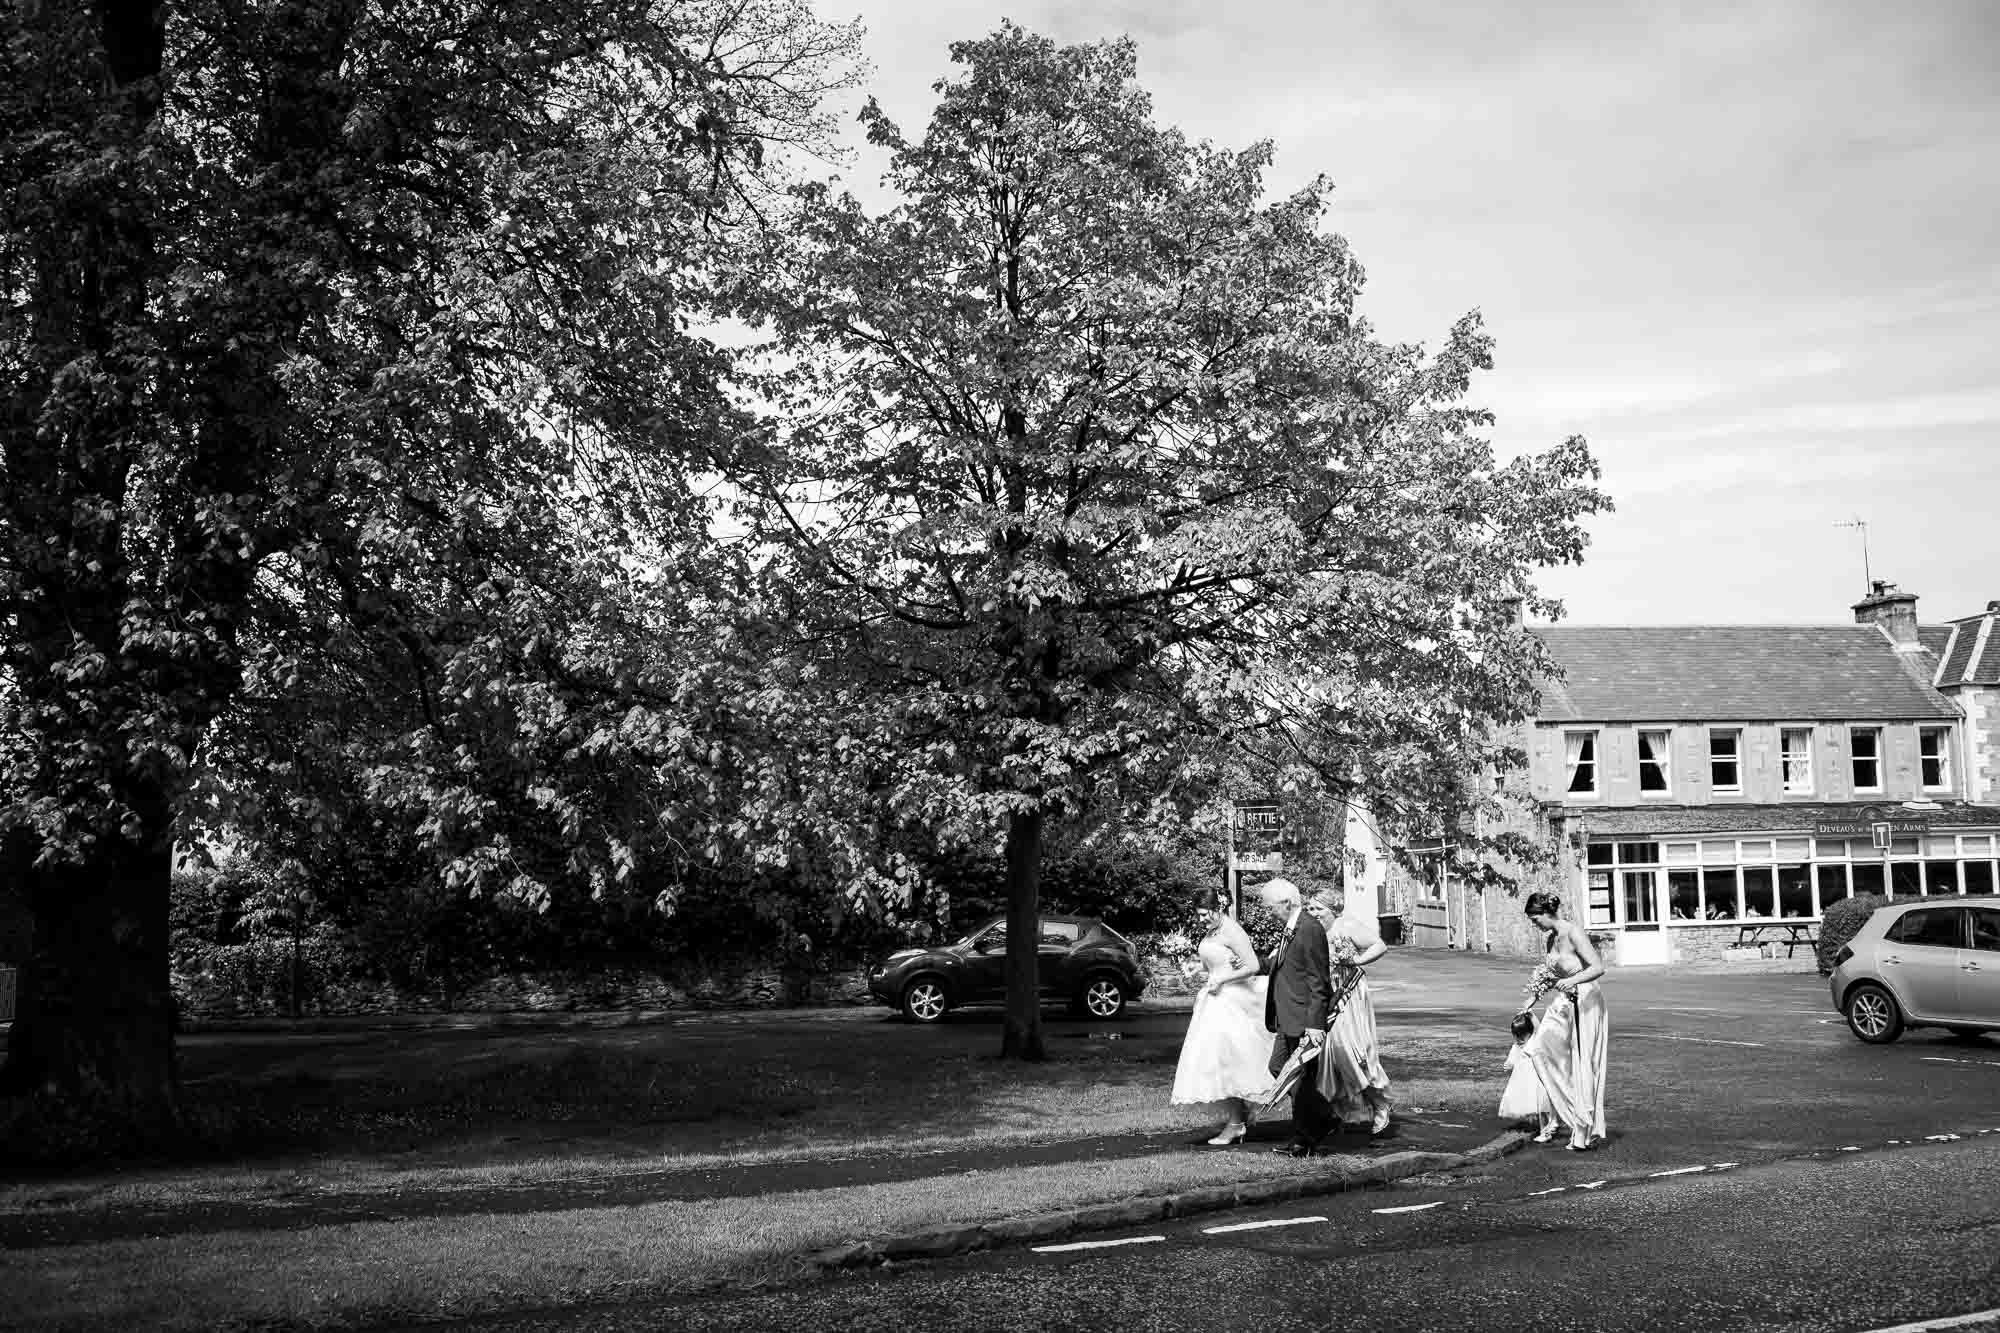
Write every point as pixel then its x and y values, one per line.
pixel 1569 1050
pixel 1351 1073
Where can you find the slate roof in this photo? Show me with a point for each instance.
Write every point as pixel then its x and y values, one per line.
pixel 1971 655
pixel 1795 818
pixel 1751 673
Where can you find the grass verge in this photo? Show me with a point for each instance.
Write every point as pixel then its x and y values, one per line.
pixel 471 1265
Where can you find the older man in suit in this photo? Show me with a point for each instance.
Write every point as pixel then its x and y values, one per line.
pixel 1295 1009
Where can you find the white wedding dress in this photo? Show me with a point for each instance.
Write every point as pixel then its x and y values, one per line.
pixel 1227 1052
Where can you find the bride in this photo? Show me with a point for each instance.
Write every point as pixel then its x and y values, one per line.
pixel 1226 1054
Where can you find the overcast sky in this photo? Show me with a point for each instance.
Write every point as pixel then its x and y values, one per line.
pixel 1751 251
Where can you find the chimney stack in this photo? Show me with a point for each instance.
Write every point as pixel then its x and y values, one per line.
pixel 1891 609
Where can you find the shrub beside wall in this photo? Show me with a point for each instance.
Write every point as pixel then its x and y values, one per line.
pixel 1841 922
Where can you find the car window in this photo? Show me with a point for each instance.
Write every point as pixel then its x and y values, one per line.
pixel 1059 932
pixel 1936 926
pixel 1986 929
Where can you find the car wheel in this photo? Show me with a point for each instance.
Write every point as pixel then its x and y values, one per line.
pixel 1102 997
pixel 925 1001
pixel 1873 1014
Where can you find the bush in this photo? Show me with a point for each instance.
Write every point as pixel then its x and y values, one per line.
pixel 1841 923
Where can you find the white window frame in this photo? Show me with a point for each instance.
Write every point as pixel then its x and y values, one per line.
pixel 1584 755
pixel 1735 735
pixel 1666 763
pixel 1854 759
pixel 1942 757
pixel 1786 755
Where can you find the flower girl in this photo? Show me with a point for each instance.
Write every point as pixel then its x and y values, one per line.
pixel 1525 1098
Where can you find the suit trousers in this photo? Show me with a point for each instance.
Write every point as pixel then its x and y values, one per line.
pixel 1312 1114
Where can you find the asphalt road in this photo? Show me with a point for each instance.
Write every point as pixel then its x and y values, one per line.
pixel 1765 1170
pixel 1855 1242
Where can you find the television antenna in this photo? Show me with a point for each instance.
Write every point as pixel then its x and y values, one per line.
pixel 1861 525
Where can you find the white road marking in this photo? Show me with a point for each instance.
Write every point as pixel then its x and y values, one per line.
pixel 1953 1321
pixel 1096 1244
pixel 1940 1138
pixel 1594 1185
pixel 1947 1060
pixel 1705 1041
pixel 1723 1166
pixel 1412 1208
pixel 1852 1147
pixel 1677 1171
pixel 1260 1226
pixel 1557 1190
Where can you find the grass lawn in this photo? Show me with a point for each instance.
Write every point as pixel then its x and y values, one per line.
pixel 461 1110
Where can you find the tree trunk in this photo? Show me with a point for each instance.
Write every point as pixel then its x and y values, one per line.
pixel 93 1029
pixel 1021 1034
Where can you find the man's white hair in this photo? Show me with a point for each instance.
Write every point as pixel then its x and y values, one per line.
pixel 1279 893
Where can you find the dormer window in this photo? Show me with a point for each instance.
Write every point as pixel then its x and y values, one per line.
pixel 1725 761
pixel 1580 762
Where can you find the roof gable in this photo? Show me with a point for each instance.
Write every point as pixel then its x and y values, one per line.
pixel 1974 656
pixel 1732 673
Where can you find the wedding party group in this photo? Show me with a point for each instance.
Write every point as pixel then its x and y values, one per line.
pixel 1299 1022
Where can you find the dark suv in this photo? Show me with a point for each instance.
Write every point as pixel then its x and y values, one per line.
pixel 1083 961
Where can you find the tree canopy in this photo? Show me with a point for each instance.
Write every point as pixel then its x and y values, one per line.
pixel 1089 476
pixel 348 353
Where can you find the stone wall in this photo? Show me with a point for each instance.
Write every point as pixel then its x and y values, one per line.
pixel 669 987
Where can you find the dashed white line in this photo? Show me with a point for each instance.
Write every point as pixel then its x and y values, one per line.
pixel 1260 1226
pixel 1096 1244
pixel 1947 1060
pixel 1952 1321
pixel 1413 1207
pixel 1594 1185
pixel 1677 1171
pixel 1852 1147
pixel 1704 1041
pixel 1723 1166
pixel 1557 1190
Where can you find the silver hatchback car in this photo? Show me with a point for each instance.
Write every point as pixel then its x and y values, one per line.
pixel 1928 962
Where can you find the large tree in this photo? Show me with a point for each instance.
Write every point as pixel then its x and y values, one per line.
pixel 1085 466
pixel 330 328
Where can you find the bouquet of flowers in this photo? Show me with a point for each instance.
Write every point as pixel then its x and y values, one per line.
pixel 1540 983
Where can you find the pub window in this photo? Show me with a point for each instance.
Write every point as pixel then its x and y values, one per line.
pixel 1794 891
pixel 1758 897
pixel 1725 760
pixel 1718 895
pixel 1684 894
pixel 1867 877
pixel 1979 877
pixel 1931 757
pixel 1656 763
pixel 1865 752
pixel 1798 761
pixel 1940 877
pixel 1580 761
pixel 1832 882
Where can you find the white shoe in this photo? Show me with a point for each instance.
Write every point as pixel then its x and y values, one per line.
pixel 1229 1134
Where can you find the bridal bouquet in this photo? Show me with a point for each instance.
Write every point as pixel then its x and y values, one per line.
pixel 1540 983
pixel 1341 950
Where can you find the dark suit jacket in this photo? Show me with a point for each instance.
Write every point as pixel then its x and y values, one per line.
pixel 1300 988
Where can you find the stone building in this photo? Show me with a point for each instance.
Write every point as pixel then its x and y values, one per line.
pixel 1709 790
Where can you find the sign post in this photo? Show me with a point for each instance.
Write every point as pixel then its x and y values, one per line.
pixel 1255 829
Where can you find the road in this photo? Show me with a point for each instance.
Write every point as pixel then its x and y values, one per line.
pixel 1859 1241
pixel 1765 1171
